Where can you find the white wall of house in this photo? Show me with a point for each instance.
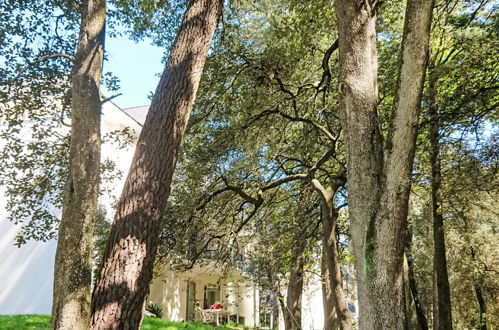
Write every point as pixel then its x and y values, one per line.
pixel 238 296
pixel 26 273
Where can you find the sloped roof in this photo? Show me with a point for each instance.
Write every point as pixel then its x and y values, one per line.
pixel 138 113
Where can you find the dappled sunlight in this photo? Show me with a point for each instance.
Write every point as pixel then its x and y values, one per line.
pixel 26 272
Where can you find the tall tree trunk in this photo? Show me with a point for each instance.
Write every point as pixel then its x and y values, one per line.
pixel 330 244
pixel 119 294
pixel 73 261
pixel 378 186
pixel 295 287
pixel 443 311
pixel 285 313
pixel 434 312
pixel 420 313
pixel 482 307
pixel 275 305
pixel 328 301
pixel 411 316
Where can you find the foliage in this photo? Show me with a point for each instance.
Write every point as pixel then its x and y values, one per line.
pixel 464 90
pixel 37 44
pixel 266 92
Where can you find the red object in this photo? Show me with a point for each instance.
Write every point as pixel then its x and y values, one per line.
pixel 217 306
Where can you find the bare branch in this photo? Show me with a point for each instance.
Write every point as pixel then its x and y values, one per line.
pixel 110 98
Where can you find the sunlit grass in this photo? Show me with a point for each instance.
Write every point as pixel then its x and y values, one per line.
pixel 43 322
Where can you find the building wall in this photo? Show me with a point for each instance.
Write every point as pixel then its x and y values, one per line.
pixel 26 273
pixel 238 296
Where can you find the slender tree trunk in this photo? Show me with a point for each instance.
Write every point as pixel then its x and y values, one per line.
pixel 378 186
pixel 275 306
pixel 285 313
pixel 119 294
pixel 330 244
pixel 328 301
pixel 420 313
pixel 295 287
pixel 411 316
pixel 443 312
pixel 73 261
pixel 482 307
pixel 434 312
pixel 421 316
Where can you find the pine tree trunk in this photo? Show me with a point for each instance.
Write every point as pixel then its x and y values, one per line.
pixel 295 288
pixel 378 186
pixel 73 262
pixel 443 311
pixel 123 284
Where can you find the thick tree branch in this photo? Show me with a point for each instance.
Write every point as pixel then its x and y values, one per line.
pixel 326 75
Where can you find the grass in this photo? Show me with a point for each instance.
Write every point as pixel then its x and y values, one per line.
pixel 43 322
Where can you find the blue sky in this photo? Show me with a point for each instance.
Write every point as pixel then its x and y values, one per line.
pixel 136 65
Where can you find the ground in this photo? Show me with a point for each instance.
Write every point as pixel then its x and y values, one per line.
pixel 43 322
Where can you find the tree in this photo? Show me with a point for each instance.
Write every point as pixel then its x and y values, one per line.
pixel 469 102
pixel 120 291
pixel 379 180
pixel 37 58
pixel 279 133
pixel 73 264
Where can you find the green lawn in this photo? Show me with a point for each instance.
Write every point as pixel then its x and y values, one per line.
pixel 43 322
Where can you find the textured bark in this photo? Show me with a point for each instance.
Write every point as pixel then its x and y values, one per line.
pixel 123 284
pixel 442 312
pixel 295 288
pixel 329 242
pixel 379 186
pixel 328 301
pixel 73 262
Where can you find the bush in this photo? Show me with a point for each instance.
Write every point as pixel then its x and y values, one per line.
pixel 154 309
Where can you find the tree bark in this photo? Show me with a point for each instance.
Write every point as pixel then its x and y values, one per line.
pixel 119 294
pixel 443 317
pixel 378 185
pixel 73 261
pixel 330 244
pixel 295 287
pixel 328 301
